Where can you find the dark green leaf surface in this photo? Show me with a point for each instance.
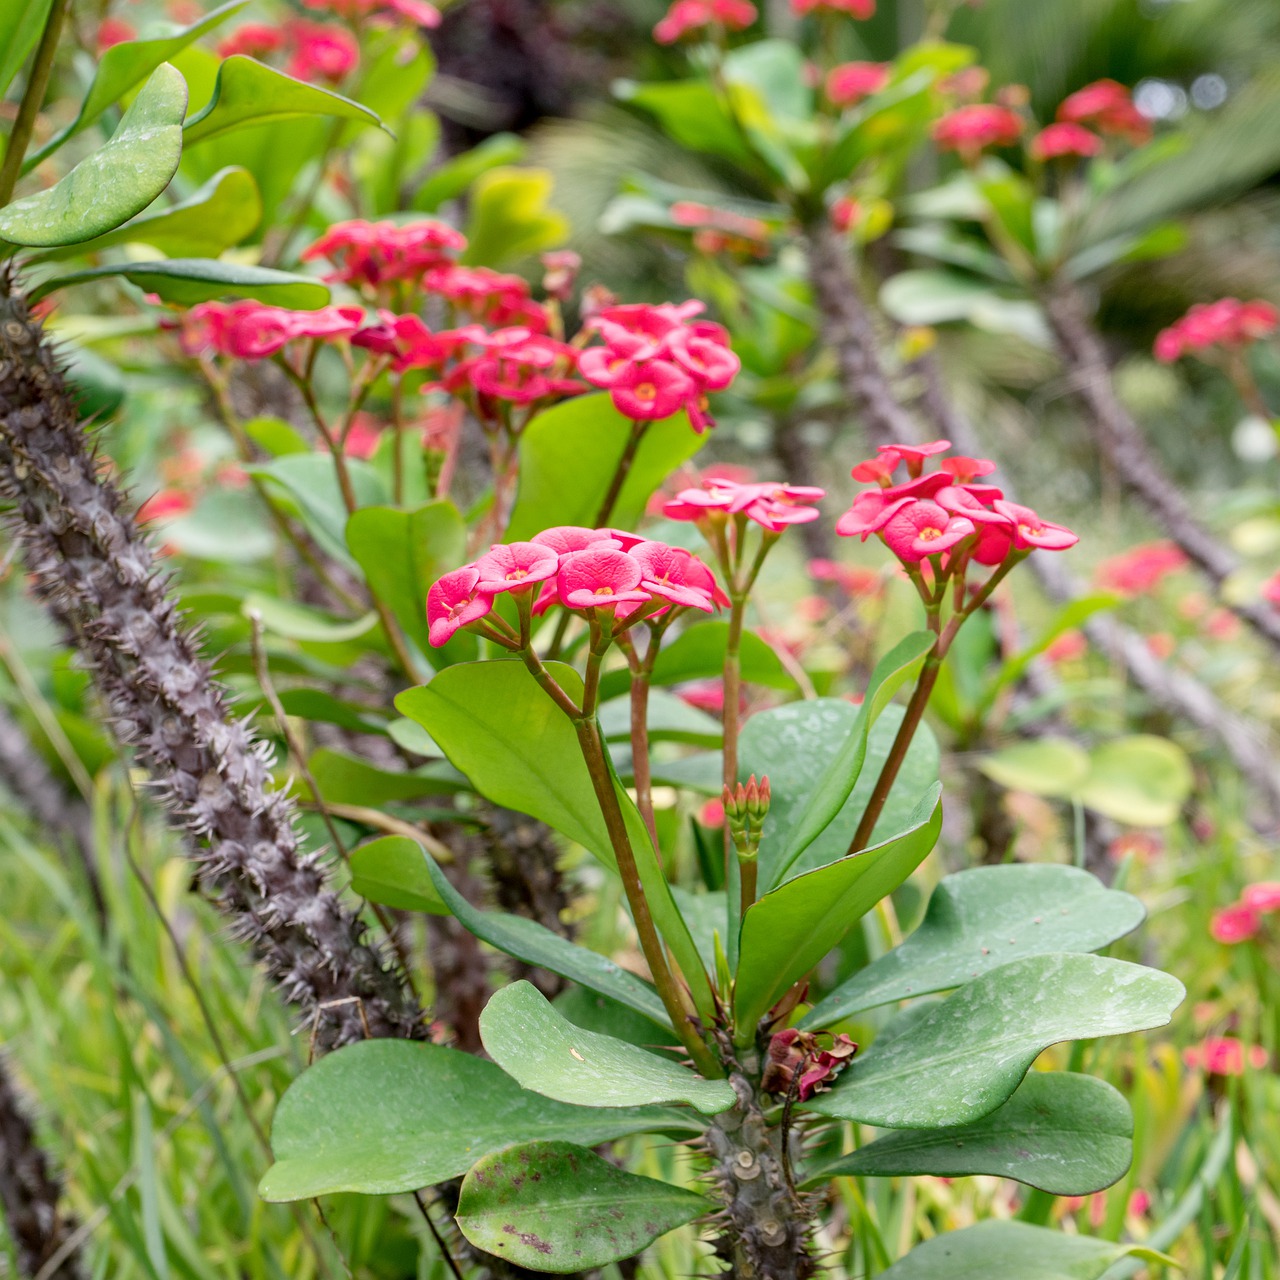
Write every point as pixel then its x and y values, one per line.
pixel 554 1206
pixel 393 871
pixel 957 1061
pixel 21 22
pixel 1010 1251
pixel 1068 1134
pixel 388 1116
pixel 526 1036
pixel 186 281
pixel 584 439
pixel 535 944
pixel 791 928
pixel 981 919
pixel 113 183
pixel 248 93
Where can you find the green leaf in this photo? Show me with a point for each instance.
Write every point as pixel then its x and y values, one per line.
pixel 1011 1251
pixel 836 784
pixel 310 481
pixel 509 218
pixel 248 93
pixel 568 457
pixel 392 870
pixel 981 919
pixel 298 622
pixel 1042 766
pixel 520 750
pixel 958 1060
pixel 534 944
pixel 21 22
pixel 794 744
pixel 692 114
pixel 554 1206
pixel 787 931
pixel 1068 1134
pixel 113 183
pixel 275 436
pixel 125 65
pixel 697 653
pixel 388 1116
pixel 348 779
pixel 403 552
pixel 530 1040
pixel 186 281
pixel 453 177
pixel 213 218
pixel 1142 780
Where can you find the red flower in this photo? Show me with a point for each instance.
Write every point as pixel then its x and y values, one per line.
pixel 362 439
pixel 860 9
pixel 1224 1056
pixel 1068 647
pixel 922 528
pixel 1237 923
pixel 566 538
pixel 651 390
pixel 687 16
pixel 1227 323
pixel 329 53
pixel 599 576
pixel 168 504
pixel 419 11
pixel 669 572
pixel 1065 139
pixel 515 566
pixel 1263 897
pixel 1140 569
pixel 1030 531
pixel 114 31
pixel 965 470
pixel 1108 106
pixel 250 331
pixel 970 130
pixel 850 82
pixel 252 40
pixel 844 214
pixel 772 506
pixel 371 253
pixel 455 601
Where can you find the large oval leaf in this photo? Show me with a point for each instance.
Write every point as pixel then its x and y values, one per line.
pixel 392 870
pixel 568 457
pixel 1068 1134
pixel 113 183
pixel 959 1060
pixel 1142 779
pixel 248 93
pixel 532 1041
pixel 186 281
pixel 554 1206
pixel 793 744
pixel 388 1116
pixel 533 943
pixel 1011 1251
pixel 981 919
pixel 791 928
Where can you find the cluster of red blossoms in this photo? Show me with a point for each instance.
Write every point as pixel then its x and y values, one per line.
pixel 1243 919
pixel 372 253
pixel 1140 569
pixel 252 331
pixel 944 511
pixel 688 16
pixel 1226 323
pixel 628 577
pixel 315 50
pixel 850 82
pixel 1108 106
pixel 419 11
pixel 774 507
pixel 657 360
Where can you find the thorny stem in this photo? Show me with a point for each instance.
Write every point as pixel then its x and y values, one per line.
pixel 593 753
pixel 32 100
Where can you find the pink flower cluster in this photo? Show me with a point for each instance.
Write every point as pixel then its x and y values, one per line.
pixel 251 331
pixel 657 360
pixel 686 16
pixel 943 511
pixel 969 130
pixel 1243 919
pixel 1224 1056
pixel 1140 569
pixel 628 576
pixel 774 507
pixel 1064 139
pixel 860 9
pixel 1108 107
pixel 372 253
pixel 850 82
pixel 418 11
pixel 1226 323
pixel 316 50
